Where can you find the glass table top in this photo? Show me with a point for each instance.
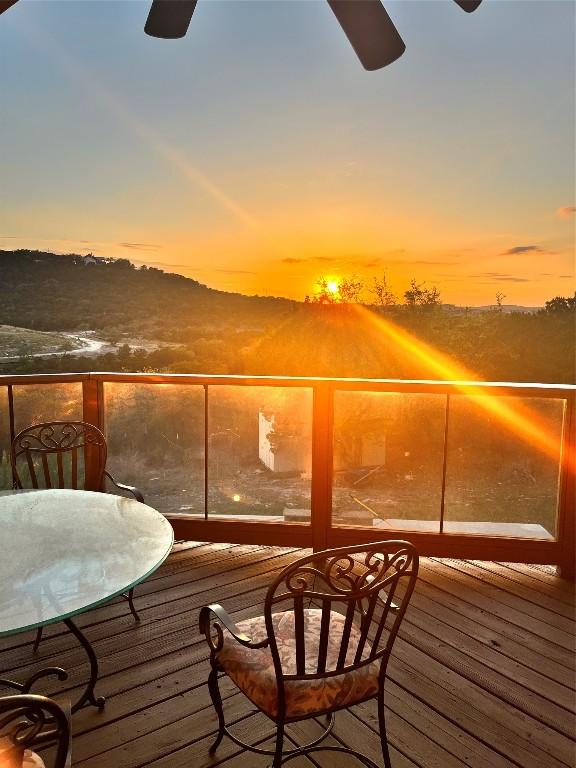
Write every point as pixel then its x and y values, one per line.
pixel 63 552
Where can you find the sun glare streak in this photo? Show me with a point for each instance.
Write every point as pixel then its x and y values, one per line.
pixel 519 419
pixel 196 176
pixel 118 107
pixel 179 162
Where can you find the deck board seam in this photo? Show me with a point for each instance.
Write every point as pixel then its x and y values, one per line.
pixel 500 584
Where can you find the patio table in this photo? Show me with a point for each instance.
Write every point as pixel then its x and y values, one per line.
pixel 63 552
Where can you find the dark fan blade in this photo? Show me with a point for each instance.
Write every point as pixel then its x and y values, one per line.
pixel 468 5
pixel 370 31
pixel 5 4
pixel 169 18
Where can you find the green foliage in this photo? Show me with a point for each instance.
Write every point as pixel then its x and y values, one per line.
pixel 214 332
pixel 419 296
pixel 50 292
pixel 561 304
pixel 494 346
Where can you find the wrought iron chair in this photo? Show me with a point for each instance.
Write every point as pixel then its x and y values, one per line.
pixel 323 643
pixel 65 454
pixel 27 723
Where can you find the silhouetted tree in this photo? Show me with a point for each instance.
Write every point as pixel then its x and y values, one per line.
pixel 419 296
pixel 347 290
pixel 561 304
pixel 385 297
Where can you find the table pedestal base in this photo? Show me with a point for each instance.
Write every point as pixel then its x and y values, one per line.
pixel 87 696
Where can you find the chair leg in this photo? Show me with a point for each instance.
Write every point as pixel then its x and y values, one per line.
pixel 279 745
pixel 217 702
pixel 133 610
pixel 382 724
pixel 37 639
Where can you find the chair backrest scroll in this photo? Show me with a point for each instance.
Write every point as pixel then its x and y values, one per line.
pixel 59 454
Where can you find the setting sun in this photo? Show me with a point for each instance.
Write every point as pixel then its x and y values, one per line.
pixel 333 286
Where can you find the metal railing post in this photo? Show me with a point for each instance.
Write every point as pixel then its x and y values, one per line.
pixel 567 494
pixel 12 427
pixel 93 413
pixel 206 451
pixel 322 470
pixel 444 462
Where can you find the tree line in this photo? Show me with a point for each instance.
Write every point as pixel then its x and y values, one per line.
pixel 215 332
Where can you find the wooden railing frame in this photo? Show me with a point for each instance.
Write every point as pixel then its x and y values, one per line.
pixel 320 533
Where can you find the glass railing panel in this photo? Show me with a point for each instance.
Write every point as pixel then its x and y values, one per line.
pixel 37 403
pixel 388 452
pixel 155 436
pixel 503 466
pixel 259 448
pixel 5 470
pixel 34 403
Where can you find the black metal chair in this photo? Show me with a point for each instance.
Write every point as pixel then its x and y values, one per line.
pixel 28 723
pixel 322 644
pixel 65 454
pixel 38 452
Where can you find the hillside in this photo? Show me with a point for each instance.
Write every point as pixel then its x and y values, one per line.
pixel 342 340
pixel 184 326
pixel 50 292
pixel 23 341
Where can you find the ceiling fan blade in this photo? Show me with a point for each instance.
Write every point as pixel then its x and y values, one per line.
pixel 370 31
pixel 468 5
pixel 169 18
pixel 5 4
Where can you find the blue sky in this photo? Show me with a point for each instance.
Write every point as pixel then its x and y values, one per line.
pixel 256 153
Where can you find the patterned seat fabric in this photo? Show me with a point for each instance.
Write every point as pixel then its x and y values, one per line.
pixel 253 669
pixel 32 760
pixel 12 756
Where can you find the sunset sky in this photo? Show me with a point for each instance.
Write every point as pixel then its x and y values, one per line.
pixel 256 154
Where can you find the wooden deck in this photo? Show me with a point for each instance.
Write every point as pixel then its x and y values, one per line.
pixel 482 674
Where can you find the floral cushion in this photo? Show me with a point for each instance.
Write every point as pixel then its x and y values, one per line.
pixel 12 756
pixel 32 760
pixel 252 669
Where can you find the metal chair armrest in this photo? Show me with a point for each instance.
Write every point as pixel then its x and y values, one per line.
pixel 138 495
pixel 214 617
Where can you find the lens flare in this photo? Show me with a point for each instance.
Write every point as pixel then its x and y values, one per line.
pixel 518 418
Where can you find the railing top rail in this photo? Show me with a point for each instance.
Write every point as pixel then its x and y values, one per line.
pixel 519 389
pixel 43 378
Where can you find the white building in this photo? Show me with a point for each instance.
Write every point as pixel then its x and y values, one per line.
pixel 291 455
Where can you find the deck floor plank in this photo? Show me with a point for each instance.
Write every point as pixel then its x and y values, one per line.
pixel 433 621
pixel 490 631
pixel 559 643
pixel 544 594
pixel 531 600
pixel 547 575
pixel 482 673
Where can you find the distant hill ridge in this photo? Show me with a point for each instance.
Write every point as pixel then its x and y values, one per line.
pixel 48 291
pixel 206 330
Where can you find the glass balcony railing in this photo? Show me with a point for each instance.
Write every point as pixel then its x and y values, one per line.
pixel 480 470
